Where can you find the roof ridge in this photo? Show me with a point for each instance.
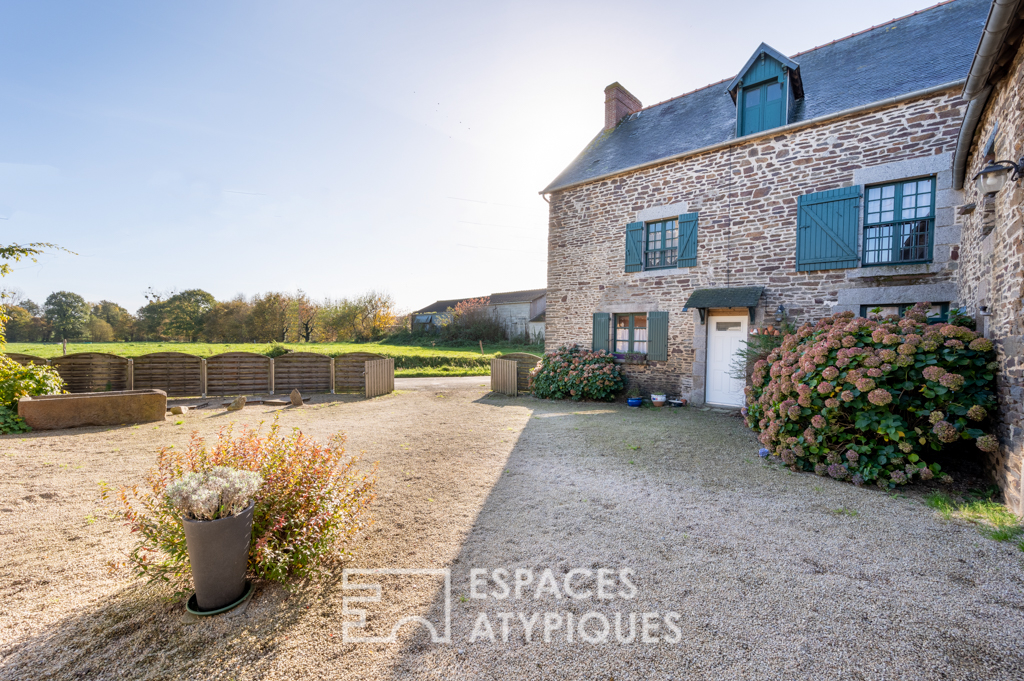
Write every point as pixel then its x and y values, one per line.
pixel 794 56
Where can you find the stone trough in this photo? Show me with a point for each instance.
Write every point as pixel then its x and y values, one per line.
pixel 114 408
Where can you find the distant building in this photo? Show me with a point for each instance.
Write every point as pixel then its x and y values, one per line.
pixel 521 312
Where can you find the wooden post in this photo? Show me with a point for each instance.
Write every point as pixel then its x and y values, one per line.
pixel 481 346
pixel 271 375
pixel 131 375
pixel 202 376
pixel 332 375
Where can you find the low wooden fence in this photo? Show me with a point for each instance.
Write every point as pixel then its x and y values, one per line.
pixel 231 373
pixel 525 364
pixel 380 377
pixel 503 377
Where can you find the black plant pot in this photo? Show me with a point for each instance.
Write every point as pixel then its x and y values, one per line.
pixel 219 553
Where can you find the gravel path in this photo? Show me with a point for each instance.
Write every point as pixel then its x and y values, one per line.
pixel 745 571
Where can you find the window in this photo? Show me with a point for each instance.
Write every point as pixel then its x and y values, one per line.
pixel 662 244
pixel 938 313
pixel 899 220
pixel 631 332
pixel 762 107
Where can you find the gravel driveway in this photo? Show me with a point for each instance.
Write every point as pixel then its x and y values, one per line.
pixel 729 567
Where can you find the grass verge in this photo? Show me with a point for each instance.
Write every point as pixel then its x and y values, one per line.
pixel 992 518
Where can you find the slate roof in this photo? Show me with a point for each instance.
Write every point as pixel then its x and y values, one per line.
pixel 926 49
pixel 517 296
pixel 741 296
pixel 440 305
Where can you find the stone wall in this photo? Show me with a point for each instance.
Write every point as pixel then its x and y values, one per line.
pixel 992 274
pixel 746 195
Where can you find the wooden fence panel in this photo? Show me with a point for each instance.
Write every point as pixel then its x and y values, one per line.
pixel 525 363
pixel 380 377
pixel 302 371
pixel 503 376
pixel 25 360
pixel 238 373
pixel 350 371
pixel 92 372
pixel 178 374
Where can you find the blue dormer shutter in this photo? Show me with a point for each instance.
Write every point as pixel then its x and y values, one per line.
pixel 826 229
pixel 687 240
pixel 751 110
pixel 601 335
pixel 634 246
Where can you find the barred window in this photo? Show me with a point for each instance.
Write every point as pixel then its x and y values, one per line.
pixel 899 221
pixel 662 244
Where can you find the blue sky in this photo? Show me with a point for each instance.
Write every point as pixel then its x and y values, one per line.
pixel 335 147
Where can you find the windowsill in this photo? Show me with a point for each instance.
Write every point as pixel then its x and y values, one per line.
pixel 872 271
pixel 660 272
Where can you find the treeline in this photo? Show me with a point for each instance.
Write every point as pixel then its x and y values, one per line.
pixel 195 315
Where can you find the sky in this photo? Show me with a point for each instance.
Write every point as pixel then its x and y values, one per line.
pixel 333 147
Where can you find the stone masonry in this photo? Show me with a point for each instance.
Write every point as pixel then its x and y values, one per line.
pixel 746 195
pixel 992 271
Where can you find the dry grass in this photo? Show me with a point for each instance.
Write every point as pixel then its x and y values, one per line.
pixel 773 574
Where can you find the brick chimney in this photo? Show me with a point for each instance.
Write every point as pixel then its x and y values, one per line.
pixel 618 103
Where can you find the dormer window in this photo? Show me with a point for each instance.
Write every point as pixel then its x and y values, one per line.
pixel 764 91
pixel 763 108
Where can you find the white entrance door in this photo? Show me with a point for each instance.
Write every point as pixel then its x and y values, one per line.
pixel 725 335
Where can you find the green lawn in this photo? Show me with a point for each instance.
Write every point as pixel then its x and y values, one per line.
pixel 410 360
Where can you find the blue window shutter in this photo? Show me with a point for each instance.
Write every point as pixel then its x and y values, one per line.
pixel 601 322
pixel 634 246
pixel 687 240
pixel 826 229
pixel 657 336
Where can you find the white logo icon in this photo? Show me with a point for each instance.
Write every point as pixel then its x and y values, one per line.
pixel 376 598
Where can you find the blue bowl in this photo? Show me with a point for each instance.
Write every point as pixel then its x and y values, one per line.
pixel 634 401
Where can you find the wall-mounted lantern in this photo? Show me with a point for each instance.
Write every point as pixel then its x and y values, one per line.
pixel 993 177
pixel 780 313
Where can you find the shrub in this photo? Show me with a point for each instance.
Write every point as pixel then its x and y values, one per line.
pixel 220 492
pixel 17 381
pixel 574 372
pixel 867 400
pixel 311 504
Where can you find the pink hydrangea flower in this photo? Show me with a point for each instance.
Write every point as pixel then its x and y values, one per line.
pixel 906 349
pixel 831 403
pixel 891 339
pixel 954 343
pixel 830 373
pixel 887 355
pixel 977 413
pixel 847 396
pixel 852 456
pixel 818 421
pixel 952 381
pixel 874 373
pixel 945 431
pixel 933 373
pixel 987 443
pixel 825 388
pixel 864 384
pixel 980 344
pixel 880 397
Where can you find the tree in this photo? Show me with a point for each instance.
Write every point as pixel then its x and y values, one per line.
pixel 149 320
pixel 68 313
pixel 228 322
pixel 305 313
pixel 19 324
pixel 120 320
pixel 376 314
pixel 15 253
pixel 269 319
pixel 99 330
pixel 186 312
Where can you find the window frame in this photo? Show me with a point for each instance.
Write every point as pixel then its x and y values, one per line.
pixel 632 329
pixel 901 309
pixel 762 100
pixel 896 223
pixel 668 252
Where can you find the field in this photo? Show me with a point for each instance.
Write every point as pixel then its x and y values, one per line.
pixel 410 360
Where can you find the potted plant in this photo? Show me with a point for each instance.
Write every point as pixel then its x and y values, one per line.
pixel 635 357
pixel 658 399
pixel 633 398
pixel 216 509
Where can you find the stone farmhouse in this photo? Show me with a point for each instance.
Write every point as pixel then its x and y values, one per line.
pixel 521 312
pixel 802 186
pixel 990 284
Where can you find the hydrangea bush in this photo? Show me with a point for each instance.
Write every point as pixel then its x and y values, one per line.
pixel 311 503
pixel 577 373
pixel 17 381
pixel 867 401
pixel 219 492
